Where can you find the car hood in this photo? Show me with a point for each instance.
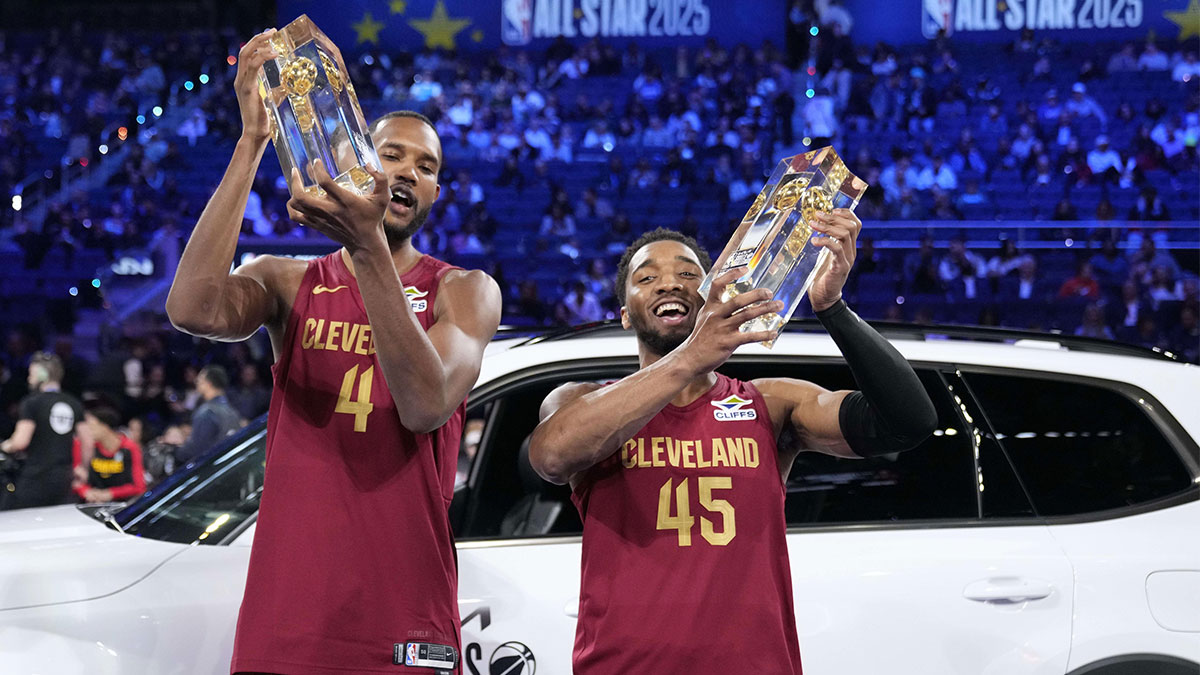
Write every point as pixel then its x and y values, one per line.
pixel 58 554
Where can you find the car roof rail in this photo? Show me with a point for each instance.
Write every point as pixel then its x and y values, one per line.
pixel 912 331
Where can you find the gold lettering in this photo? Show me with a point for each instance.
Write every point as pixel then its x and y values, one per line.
pixel 318 338
pixel 656 450
pixel 364 340
pixel 348 336
pixel 751 453
pixel 688 461
pixel 701 463
pixel 718 453
pixel 641 454
pixel 673 449
pixel 331 340
pixel 310 325
pixel 737 454
pixel 627 458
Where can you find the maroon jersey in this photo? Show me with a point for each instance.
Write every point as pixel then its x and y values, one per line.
pixel 353 551
pixel 685 564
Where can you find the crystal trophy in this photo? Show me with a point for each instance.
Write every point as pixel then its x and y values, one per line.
pixel 773 244
pixel 314 110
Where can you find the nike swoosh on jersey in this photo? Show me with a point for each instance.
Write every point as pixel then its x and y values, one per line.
pixel 322 288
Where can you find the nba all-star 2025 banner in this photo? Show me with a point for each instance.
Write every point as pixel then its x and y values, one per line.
pixel 357 25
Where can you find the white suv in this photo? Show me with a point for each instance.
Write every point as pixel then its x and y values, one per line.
pixel 1048 526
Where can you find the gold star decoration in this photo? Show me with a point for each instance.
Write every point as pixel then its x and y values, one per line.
pixel 398 6
pixel 477 35
pixel 368 29
pixel 439 30
pixel 1188 20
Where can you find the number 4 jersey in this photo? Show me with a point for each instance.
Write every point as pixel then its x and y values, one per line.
pixel 353 551
pixel 685 562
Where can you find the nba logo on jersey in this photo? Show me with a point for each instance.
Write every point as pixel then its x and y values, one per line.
pixel 516 22
pixel 410 658
pixel 416 298
pixel 937 15
pixel 733 409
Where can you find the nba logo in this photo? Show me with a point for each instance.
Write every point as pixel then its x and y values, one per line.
pixel 516 22
pixel 936 15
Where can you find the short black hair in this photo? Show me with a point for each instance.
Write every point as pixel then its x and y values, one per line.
pixel 374 126
pixel 105 414
pixel 660 234
pixel 216 376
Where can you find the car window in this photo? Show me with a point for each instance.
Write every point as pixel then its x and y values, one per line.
pixel 1079 448
pixel 936 480
pixel 503 497
pixel 206 504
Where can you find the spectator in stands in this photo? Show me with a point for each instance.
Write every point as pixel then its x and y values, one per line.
pixel 1007 261
pixel 557 223
pixel 1050 110
pixel 1082 285
pixel 960 270
pixel 599 137
pixel 1124 60
pixel 1152 58
pixel 1064 210
pixel 528 303
pixel 1171 140
pixel 591 205
pixel 1163 287
pixel 1185 71
pixel 115 471
pixel 971 200
pixel 214 419
pixel 1104 162
pixel 820 118
pixel 1184 339
pixel 658 134
pixel 578 306
pixel 1110 267
pixel 938 174
pixel 1093 323
pixel 250 397
pixel 899 176
pixel 1081 106
pixel 1149 206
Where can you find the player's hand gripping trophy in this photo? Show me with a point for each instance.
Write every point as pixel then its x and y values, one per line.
pixel 773 245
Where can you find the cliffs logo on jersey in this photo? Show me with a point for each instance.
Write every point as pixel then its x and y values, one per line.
pixel 733 409
pixel 416 298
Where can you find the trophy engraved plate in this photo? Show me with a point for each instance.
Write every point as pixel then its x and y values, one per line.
pixel 773 244
pixel 314 111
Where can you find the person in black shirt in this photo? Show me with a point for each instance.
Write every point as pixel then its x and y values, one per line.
pixel 48 423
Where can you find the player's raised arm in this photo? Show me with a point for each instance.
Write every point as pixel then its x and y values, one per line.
pixel 205 299
pixel 583 424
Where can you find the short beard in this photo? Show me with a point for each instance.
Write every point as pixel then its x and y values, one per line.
pixel 656 342
pixel 398 234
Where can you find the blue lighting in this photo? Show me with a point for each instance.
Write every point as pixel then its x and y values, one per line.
pixel 203 78
pixel 189 85
pixel 73 291
pixel 810 93
pixel 95 283
pixel 141 119
pixel 814 30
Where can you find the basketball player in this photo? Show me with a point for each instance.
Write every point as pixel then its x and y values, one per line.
pixel 678 472
pixel 376 347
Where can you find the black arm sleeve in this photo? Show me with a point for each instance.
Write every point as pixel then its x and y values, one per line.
pixel 891 412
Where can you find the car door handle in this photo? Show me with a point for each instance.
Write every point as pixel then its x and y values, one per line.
pixel 571 609
pixel 1007 589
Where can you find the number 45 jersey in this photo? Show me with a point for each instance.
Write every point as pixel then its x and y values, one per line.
pixel 353 551
pixel 685 562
